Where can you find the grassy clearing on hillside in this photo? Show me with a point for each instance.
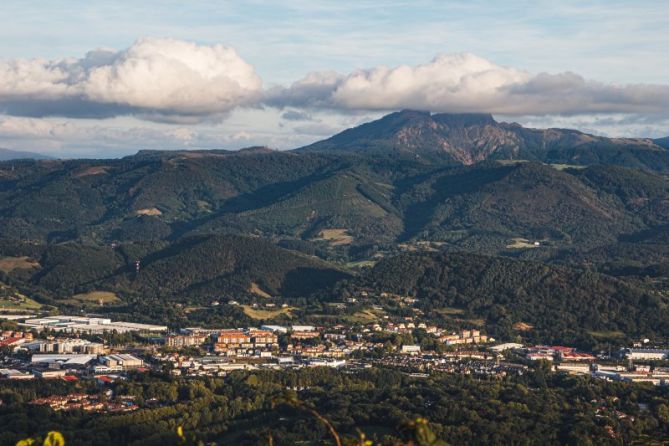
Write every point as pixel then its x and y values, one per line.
pixel 148 211
pixel 203 206
pixel 607 334
pixel 566 166
pixel 361 264
pixel 95 297
pixel 450 311
pixel 18 302
pixel 360 317
pixel 521 243
pixel 256 313
pixel 8 264
pixel 363 317
pixel 474 322
pixel 93 170
pixel 335 236
pixel 255 289
pixel 522 326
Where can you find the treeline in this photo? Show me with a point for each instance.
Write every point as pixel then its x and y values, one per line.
pixel 245 407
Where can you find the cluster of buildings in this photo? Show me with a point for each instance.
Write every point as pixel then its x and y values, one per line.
pixel 242 342
pixel 63 345
pixel 11 339
pixel 465 362
pixel 245 342
pixel 68 365
pixel 555 353
pixel 59 357
pixel 405 327
pixel 85 402
pixel 54 347
pixel 465 337
pixel 618 372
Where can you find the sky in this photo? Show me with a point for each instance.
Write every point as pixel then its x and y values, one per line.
pixel 105 79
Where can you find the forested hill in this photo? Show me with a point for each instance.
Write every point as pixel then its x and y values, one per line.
pixel 518 298
pixel 663 142
pixel 195 269
pixel 347 204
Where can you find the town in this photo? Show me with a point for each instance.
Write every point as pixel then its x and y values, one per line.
pixel 74 348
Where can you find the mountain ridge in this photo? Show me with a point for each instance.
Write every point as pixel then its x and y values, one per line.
pixel 10 155
pixel 468 138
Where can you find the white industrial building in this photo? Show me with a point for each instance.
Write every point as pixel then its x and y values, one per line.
pixel 647 354
pixel 303 328
pixel 411 349
pixel 64 360
pixel 91 325
pixel 274 328
pixel 15 374
pixel 125 361
pixel 507 346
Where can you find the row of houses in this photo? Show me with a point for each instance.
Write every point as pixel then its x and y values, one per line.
pixel 88 403
pixel 465 337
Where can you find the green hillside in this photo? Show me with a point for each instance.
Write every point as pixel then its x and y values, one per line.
pixel 560 304
pixel 197 268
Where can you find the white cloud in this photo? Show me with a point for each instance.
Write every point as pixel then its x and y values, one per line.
pixel 156 79
pixel 468 83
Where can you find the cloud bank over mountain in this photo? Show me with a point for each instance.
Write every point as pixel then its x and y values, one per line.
pixel 177 81
pixel 468 83
pixel 173 93
pixel 154 79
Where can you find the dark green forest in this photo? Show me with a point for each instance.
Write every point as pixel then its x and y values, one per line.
pixel 244 408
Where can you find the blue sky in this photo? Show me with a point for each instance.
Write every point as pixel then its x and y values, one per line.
pixel 612 46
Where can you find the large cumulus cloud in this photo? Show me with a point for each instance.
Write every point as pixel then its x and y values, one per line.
pixel 169 80
pixel 157 79
pixel 467 83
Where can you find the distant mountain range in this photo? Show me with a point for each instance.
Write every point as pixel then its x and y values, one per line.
pixel 7 155
pixel 471 138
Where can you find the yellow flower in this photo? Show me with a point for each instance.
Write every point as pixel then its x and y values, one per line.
pixel 54 438
pixel 26 442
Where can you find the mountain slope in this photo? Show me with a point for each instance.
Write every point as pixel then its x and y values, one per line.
pixel 561 304
pixel 335 201
pixel 662 142
pixel 193 268
pixel 471 138
pixel 486 206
